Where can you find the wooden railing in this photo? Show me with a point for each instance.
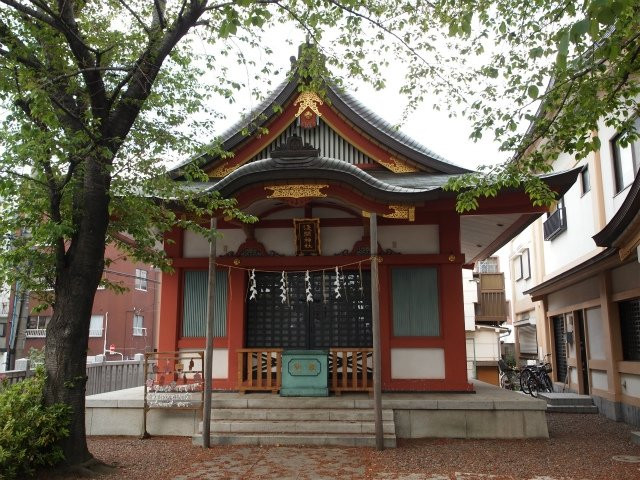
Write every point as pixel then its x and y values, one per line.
pixel 350 369
pixel 259 369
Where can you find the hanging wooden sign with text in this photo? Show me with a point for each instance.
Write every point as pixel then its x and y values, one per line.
pixel 307 236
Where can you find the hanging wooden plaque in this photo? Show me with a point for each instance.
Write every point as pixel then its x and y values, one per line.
pixel 306 232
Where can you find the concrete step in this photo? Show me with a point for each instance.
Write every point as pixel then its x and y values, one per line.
pixel 296 439
pixel 327 414
pixel 566 399
pixel 635 438
pixel 270 401
pixel 572 409
pixel 308 426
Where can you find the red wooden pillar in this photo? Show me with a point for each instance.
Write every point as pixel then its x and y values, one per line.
pixel 171 295
pixel 452 305
pixel 235 320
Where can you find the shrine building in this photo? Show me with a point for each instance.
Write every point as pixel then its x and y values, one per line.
pixel 299 278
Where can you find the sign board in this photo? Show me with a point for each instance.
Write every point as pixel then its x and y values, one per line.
pixel 307 236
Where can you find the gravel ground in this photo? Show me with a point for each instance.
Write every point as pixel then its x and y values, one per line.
pixel 580 446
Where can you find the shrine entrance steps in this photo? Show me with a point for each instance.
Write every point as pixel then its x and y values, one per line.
pixel 272 420
pixel 568 403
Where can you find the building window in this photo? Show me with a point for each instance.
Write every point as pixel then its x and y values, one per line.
pixel 525 263
pixel 37 322
pixel 630 329
pixel 95 327
pixel 138 326
pixel 141 280
pixel 517 267
pixel 585 180
pixel 626 159
pixel 489 265
pixel 3 329
pixel 415 302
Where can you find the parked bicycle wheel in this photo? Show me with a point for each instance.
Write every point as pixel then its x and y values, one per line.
pixel 525 376
pixel 548 384
pixel 532 386
pixel 503 381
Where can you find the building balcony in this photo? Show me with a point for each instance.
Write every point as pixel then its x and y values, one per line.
pixel 491 307
pixel 555 224
pixel 35 333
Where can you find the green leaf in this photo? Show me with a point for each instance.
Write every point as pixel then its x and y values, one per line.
pixel 606 16
pixel 532 91
pixel 579 29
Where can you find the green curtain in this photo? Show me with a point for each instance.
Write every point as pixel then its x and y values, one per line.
pixel 415 302
pixel 194 305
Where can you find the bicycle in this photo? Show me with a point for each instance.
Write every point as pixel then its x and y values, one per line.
pixel 535 378
pixel 509 376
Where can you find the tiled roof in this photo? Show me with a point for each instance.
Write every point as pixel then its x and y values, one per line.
pixel 365 119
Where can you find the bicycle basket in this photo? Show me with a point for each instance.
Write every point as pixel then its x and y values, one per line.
pixel 547 368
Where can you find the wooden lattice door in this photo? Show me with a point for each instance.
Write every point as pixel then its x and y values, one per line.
pixel 329 321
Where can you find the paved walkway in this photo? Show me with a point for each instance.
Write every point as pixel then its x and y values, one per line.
pixel 291 463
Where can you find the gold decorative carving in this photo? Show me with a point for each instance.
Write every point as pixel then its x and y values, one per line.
pixel 308 100
pixel 401 212
pixel 452 258
pixel 222 170
pixel 236 261
pixel 297 190
pixel 398 166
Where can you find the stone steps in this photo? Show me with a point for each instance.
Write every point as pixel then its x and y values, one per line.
pixel 298 426
pixel 346 440
pixel 328 414
pixel 568 403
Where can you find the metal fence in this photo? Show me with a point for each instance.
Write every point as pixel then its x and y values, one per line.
pixel 15 376
pixel 101 377
pixel 110 376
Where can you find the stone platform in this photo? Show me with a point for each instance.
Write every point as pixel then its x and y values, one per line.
pixel 259 418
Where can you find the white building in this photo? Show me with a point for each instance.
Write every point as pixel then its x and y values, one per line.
pixel 575 277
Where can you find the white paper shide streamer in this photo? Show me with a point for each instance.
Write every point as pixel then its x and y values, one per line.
pixel 307 282
pixel 336 284
pixel 283 287
pixel 252 285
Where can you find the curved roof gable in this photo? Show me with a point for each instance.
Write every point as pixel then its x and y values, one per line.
pixel 360 118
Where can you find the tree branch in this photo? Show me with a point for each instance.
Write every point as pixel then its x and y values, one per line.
pixel 84 70
pixel 136 16
pixel 32 13
pixel 85 59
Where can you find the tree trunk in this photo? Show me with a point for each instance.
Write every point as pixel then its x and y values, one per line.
pixel 77 279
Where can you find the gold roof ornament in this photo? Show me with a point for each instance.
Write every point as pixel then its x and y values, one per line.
pixel 297 190
pixel 400 212
pixel 398 166
pixel 308 100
